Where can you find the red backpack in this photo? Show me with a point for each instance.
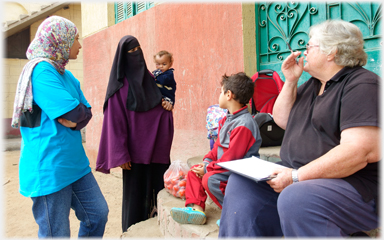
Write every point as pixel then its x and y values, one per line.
pixel 268 85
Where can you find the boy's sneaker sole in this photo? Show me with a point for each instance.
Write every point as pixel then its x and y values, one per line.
pixel 188 215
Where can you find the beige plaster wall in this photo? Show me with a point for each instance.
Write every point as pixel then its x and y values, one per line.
pixel 10 75
pixel 34 6
pixel 12 11
pixel 249 38
pixel 96 17
pixel 12 67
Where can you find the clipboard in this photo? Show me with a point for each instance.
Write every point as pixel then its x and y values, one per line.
pixel 254 168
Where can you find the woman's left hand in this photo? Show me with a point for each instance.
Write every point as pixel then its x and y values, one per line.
pixel 126 166
pixel 67 123
pixel 282 180
pixel 167 105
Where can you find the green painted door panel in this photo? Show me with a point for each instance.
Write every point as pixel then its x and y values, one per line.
pixel 278 23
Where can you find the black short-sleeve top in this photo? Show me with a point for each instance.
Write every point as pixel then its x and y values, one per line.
pixel 315 123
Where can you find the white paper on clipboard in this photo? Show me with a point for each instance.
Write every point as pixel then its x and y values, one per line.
pixel 253 168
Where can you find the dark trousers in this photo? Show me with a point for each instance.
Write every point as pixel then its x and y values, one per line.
pixel 320 207
pixel 141 185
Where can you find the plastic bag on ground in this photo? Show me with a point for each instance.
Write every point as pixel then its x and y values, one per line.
pixel 175 179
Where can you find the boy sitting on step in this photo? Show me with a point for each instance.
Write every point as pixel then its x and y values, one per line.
pixel 238 138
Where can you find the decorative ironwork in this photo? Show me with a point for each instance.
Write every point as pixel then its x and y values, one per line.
pixel 370 22
pixel 280 23
pixel 285 19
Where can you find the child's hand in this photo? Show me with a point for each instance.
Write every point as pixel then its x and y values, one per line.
pixel 167 105
pixel 199 170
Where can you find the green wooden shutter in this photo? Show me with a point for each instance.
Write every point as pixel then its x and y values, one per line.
pixel 119 12
pixel 140 7
pixel 130 10
pixel 125 10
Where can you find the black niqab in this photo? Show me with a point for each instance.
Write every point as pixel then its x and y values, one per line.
pixel 143 93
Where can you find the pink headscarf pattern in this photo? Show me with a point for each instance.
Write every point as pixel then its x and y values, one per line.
pixel 54 39
pixel 52 43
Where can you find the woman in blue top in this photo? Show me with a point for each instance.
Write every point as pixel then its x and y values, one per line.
pixel 50 110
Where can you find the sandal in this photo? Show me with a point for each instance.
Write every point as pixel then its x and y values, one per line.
pixel 188 215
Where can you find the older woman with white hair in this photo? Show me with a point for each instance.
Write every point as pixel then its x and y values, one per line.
pixel 331 147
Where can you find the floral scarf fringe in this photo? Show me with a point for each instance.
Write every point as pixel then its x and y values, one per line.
pixel 24 98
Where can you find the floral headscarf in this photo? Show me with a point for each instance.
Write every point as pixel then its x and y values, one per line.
pixel 52 43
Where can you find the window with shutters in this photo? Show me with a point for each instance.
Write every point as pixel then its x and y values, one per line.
pixel 125 10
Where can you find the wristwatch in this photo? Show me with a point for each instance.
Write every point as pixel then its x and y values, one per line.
pixel 295 176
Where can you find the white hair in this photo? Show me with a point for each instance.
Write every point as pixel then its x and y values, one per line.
pixel 343 37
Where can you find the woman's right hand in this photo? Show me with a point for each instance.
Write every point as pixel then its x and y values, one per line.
pixel 67 123
pixel 291 69
pixel 126 166
pixel 167 105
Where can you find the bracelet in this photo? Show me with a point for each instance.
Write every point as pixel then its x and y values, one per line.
pixel 295 176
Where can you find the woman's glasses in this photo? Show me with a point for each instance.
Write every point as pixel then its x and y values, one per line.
pixel 307 46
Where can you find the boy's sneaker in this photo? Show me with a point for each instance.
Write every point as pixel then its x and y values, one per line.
pixel 188 215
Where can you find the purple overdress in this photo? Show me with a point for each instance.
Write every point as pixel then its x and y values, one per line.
pixel 144 139
pixel 138 137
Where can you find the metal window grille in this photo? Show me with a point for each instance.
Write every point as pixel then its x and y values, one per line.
pixel 125 10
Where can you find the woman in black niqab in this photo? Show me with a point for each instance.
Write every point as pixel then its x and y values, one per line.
pixel 137 132
pixel 143 94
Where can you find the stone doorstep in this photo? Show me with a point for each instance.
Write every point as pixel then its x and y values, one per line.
pixel 165 227
pixel 172 229
pixel 145 229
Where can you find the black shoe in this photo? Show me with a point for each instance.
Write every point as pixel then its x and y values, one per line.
pixel 359 234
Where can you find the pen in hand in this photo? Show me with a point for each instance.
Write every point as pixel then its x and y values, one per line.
pixel 268 178
pixel 289 46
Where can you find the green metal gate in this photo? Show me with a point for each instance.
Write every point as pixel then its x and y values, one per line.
pixel 280 22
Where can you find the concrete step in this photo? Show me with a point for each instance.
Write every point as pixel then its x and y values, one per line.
pixel 163 226
pixel 146 229
pixel 172 229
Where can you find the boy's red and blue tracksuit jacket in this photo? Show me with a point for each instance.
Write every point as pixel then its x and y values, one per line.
pixel 238 138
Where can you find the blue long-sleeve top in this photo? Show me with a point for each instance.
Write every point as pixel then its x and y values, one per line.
pixel 166 83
